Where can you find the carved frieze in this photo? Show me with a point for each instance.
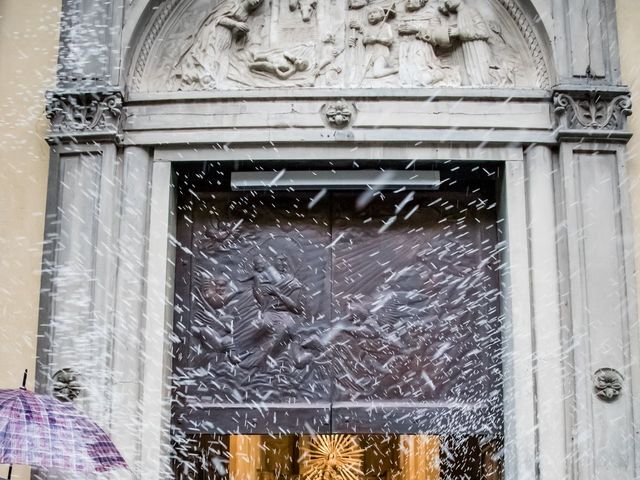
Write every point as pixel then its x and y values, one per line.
pixel 344 43
pixel 85 114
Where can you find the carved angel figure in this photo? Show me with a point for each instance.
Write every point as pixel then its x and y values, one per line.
pixel 206 59
pixel 329 54
pixel 215 329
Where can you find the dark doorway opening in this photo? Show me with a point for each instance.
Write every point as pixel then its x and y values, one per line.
pixel 372 312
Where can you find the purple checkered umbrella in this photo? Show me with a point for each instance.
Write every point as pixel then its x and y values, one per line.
pixel 41 431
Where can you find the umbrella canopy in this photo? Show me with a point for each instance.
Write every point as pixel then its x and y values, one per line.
pixel 41 431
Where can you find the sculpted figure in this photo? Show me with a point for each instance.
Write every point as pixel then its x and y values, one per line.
pixel 219 292
pixel 306 7
pixel 281 65
pixel 278 294
pixel 470 31
pixel 377 38
pixel 355 56
pixel 420 65
pixel 206 59
pixel 328 55
pixel 216 333
pixel 414 5
pixel 365 332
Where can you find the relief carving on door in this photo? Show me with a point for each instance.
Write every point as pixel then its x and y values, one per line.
pixel 259 275
pixel 291 302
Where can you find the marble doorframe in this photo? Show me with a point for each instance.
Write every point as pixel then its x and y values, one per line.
pixel 123 281
pixel 520 424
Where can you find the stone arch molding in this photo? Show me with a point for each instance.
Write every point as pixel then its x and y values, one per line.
pixel 197 45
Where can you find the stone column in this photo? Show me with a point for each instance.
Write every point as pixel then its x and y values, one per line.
pixel 597 288
pixel 82 228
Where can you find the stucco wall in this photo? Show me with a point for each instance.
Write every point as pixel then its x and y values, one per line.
pixel 28 54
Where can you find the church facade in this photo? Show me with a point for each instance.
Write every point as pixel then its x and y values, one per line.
pixel 406 223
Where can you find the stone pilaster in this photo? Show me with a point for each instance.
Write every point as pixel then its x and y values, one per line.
pixel 597 292
pixel 79 300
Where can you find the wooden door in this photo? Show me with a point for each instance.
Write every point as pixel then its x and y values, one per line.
pixel 318 312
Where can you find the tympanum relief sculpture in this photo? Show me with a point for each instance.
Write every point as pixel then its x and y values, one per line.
pixel 340 43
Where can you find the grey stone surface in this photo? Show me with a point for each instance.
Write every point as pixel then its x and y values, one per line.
pixel 599 316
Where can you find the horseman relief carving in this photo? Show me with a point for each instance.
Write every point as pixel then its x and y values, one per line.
pixel 342 43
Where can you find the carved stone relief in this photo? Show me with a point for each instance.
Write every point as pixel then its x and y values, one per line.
pixel 296 300
pixel 76 114
pixel 340 43
pixel 338 114
pixel 412 298
pixel 607 383
pixel 66 385
pixel 596 110
pixel 257 303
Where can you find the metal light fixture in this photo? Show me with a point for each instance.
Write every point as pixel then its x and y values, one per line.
pixel 336 180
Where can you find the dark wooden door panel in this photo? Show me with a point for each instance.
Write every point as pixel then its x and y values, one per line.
pixel 347 314
pixel 415 290
pixel 248 349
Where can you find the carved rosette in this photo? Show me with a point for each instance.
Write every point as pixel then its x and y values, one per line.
pixel 594 111
pixel 66 385
pixel 89 115
pixel 607 384
pixel 338 114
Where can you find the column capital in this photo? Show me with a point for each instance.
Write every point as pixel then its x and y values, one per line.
pixel 592 113
pixel 95 115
